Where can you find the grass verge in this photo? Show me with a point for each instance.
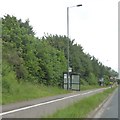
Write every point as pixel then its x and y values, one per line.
pixel 83 107
pixel 88 87
pixel 27 91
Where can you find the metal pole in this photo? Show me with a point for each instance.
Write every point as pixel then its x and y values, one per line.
pixel 68 47
pixel 68 42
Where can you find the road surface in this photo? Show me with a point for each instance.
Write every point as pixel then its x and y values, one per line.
pixel 110 107
pixel 42 107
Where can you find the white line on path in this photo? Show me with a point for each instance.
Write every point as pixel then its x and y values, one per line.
pixel 44 103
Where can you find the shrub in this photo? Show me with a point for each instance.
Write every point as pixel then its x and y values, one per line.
pixel 92 80
pixel 83 82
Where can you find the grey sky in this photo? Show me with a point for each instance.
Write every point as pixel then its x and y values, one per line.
pixel 94 25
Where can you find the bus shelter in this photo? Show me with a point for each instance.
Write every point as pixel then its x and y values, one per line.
pixel 71 82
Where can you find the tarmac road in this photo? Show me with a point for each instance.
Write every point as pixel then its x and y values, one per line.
pixel 110 108
pixel 45 106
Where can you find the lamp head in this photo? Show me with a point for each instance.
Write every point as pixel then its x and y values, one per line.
pixel 79 5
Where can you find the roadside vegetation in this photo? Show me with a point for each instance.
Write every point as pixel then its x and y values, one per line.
pixel 28 91
pixel 29 62
pixel 88 87
pixel 82 108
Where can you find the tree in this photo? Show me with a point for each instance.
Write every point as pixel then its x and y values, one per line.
pixel 44 60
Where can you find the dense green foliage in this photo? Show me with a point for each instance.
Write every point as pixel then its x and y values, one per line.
pixel 43 60
pixel 88 66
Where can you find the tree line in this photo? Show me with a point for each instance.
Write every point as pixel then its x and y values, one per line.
pixel 43 60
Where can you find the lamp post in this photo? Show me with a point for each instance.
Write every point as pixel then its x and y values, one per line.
pixel 68 41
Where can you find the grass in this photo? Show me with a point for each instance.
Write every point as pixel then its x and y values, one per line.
pixel 28 91
pixel 13 92
pixel 85 87
pixel 83 107
pixel 88 87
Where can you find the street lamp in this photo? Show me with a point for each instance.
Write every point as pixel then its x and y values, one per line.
pixel 68 40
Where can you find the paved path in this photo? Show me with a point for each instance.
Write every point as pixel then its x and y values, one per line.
pixel 110 108
pixel 45 106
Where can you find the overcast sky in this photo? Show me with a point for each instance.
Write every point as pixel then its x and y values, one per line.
pixel 93 25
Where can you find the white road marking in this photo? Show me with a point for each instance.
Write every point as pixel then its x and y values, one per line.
pixel 44 103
